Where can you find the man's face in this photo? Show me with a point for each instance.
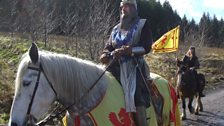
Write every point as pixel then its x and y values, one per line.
pixel 126 9
pixel 128 15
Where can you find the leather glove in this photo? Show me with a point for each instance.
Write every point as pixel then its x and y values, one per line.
pixel 123 51
pixel 117 54
pixel 127 50
pixel 104 58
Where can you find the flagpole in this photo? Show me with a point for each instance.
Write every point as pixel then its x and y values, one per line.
pixel 176 59
pixel 169 42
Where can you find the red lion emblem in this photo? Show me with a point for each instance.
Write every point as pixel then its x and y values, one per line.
pixel 123 119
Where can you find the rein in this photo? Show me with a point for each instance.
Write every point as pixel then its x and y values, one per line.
pixel 50 117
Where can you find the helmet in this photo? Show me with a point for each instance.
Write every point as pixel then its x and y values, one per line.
pixel 129 1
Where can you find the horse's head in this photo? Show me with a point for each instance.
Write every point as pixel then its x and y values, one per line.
pixel 33 92
pixel 182 69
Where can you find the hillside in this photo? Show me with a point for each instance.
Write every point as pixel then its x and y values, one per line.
pixel 211 59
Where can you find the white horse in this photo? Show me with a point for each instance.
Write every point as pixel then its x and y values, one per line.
pixel 45 77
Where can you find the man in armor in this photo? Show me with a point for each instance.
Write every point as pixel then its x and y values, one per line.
pixel 129 41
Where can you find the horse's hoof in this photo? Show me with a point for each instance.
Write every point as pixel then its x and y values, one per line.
pixel 183 118
pixel 192 111
pixel 196 113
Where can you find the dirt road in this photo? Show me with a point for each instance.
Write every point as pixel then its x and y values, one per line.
pixel 213 114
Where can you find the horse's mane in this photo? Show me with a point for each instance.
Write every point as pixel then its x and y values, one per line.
pixel 24 62
pixel 71 77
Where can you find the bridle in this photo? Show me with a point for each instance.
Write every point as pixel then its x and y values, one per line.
pixel 50 117
pixel 40 69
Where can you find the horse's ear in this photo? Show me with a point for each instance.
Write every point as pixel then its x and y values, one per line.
pixel 33 53
pixel 179 62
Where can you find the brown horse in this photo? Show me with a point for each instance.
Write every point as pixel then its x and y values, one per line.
pixel 187 88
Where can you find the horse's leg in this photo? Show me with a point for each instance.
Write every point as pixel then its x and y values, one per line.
pixel 199 106
pixel 190 107
pixel 183 116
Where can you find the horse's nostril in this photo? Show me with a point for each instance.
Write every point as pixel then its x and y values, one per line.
pixel 13 124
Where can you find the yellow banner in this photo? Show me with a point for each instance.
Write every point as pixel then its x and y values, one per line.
pixel 168 42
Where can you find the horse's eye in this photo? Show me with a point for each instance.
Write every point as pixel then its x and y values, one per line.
pixel 26 83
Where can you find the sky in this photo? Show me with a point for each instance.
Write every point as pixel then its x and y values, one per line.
pixel 195 8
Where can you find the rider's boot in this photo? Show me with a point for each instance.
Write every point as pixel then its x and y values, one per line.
pixel 140 117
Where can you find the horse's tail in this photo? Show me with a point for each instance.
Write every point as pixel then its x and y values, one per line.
pixel 201 81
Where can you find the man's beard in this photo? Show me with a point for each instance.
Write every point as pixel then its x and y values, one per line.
pixel 127 21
